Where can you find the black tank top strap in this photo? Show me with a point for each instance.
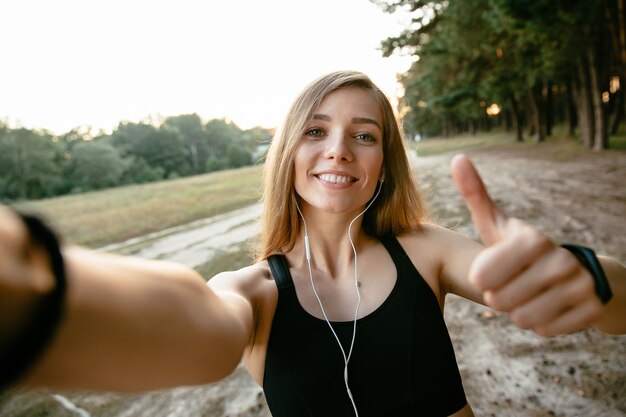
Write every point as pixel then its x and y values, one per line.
pixel 396 251
pixel 280 271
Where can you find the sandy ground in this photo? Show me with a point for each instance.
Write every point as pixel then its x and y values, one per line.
pixel 506 371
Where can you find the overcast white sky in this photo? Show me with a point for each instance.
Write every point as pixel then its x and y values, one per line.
pixel 68 63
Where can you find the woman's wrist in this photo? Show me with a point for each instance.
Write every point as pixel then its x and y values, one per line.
pixel 589 260
pixel 39 304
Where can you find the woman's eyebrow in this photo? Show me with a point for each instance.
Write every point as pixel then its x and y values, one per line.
pixel 366 120
pixel 324 117
pixel 355 120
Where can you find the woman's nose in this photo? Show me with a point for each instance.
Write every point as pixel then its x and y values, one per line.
pixel 338 147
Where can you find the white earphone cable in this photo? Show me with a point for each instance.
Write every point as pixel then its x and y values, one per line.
pixel 307 249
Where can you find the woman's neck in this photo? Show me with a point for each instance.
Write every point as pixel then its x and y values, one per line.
pixel 329 242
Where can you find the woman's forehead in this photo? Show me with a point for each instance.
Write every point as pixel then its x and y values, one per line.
pixel 352 102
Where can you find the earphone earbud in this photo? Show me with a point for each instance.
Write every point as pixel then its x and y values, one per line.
pixel 382 176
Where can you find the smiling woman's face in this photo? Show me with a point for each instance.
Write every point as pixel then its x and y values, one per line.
pixel 339 159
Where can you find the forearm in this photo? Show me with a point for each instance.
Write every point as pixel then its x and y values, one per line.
pixel 132 325
pixel 613 319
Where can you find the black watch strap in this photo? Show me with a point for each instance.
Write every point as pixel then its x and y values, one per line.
pixel 42 325
pixel 588 258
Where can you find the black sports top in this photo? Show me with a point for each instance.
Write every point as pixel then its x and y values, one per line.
pixel 402 364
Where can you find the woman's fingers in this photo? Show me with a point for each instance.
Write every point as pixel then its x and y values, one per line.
pixel 577 318
pixel 487 217
pixel 563 308
pixel 496 265
pixel 548 298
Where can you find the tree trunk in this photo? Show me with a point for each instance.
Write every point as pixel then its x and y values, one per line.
pixel 570 110
pixel 193 157
pixel 583 104
pixel 600 137
pixel 621 19
pixel 516 118
pixel 537 113
pixel 508 120
pixel 615 18
pixel 549 109
pixel 529 116
pixel 618 112
pixel 22 168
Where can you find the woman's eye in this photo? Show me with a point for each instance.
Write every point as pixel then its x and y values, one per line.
pixel 314 132
pixel 365 137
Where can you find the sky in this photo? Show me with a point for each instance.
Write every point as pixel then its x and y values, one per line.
pixel 71 63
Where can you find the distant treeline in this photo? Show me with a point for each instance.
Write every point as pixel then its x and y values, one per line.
pixel 540 62
pixel 36 164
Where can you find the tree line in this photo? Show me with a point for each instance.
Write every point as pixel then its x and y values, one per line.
pixel 528 65
pixel 36 164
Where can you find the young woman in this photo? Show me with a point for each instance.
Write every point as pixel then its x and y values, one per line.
pixel 341 315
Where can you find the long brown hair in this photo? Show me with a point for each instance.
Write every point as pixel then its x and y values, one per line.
pixel 399 206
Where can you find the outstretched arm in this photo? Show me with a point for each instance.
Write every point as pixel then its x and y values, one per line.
pixel 129 324
pixel 522 272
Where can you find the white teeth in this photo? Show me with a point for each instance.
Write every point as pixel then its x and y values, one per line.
pixel 334 179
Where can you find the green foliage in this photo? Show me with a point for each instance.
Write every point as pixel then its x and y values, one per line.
pixel 214 164
pixel 95 165
pixel 473 53
pixel 189 128
pixel 31 165
pixel 237 156
pixel 257 136
pixel 35 164
pixel 158 147
pixel 138 172
pixel 221 133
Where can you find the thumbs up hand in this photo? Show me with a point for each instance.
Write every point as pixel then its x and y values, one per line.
pixel 521 271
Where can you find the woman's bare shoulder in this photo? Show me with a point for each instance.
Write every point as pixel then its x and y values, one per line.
pixel 435 237
pixel 443 256
pixel 248 280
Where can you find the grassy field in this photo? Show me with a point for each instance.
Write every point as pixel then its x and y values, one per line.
pixel 98 218
pixel 559 146
pixel 226 262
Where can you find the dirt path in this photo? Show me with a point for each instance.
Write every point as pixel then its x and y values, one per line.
pixel 506 371
pixel 195 243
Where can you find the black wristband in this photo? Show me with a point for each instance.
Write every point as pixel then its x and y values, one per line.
pixel 44 320
pixel 588 258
